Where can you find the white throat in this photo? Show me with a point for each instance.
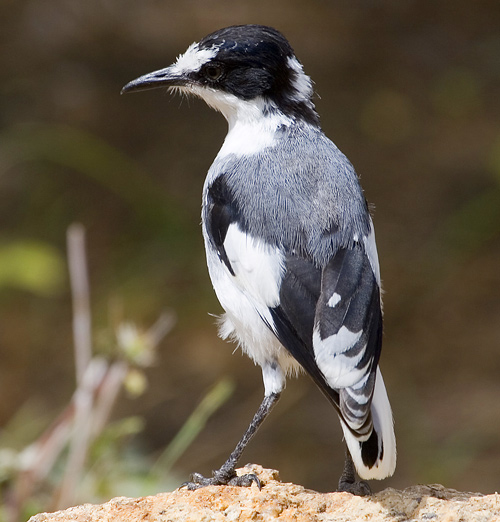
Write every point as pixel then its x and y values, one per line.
pixel 251 125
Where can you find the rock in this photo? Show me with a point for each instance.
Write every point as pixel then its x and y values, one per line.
pixel 288 502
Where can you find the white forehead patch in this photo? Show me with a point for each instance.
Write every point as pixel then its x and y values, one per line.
pixel 302 83
pixel 193 58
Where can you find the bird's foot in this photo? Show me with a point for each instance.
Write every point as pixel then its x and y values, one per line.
pixel 359 487
pixel 221 477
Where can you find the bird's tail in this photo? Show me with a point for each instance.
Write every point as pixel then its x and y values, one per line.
pixel 375 457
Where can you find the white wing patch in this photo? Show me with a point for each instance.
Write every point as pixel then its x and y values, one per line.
pixel 338 368
pixel 334 300
pixel 358 391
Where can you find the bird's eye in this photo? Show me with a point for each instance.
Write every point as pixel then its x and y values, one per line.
pixel 213 72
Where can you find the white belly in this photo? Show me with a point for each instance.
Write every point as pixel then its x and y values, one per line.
pixel 247 296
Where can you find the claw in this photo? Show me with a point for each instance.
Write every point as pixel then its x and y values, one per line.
pixel 186 485
pixel 360 488
pixel 221 478
pixel 245 480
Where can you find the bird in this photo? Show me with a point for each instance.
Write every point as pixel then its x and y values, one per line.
pixel 290 243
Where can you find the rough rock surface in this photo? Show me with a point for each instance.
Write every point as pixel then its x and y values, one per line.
pixel 288 502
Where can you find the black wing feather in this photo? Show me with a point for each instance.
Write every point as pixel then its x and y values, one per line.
pixel 304 295
pixel 221 211
pixel 294 318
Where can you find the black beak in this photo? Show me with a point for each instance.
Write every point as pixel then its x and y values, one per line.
pixel 168 77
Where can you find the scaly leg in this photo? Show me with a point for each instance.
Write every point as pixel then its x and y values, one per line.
pixel 226 475
pixel 348 480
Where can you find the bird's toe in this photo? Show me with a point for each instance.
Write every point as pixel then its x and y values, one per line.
pixel 360 487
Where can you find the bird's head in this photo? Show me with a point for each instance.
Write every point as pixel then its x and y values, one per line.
pixel 239 68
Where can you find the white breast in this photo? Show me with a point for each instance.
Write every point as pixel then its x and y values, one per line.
pixel 247 295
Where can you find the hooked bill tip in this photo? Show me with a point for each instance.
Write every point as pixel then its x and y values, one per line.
pixel 162 78
pixel 137 85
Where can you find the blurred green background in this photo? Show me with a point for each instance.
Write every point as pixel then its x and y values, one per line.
pixel 409 91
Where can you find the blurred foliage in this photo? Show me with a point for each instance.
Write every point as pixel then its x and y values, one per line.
pixel 114 466
pixel 494 160
pixel 457 93
pixel 79 151
pixel 388 117
pixel 31 265
pixel 410 91
pixel 81 455
pixel 475 223
pixel 192 427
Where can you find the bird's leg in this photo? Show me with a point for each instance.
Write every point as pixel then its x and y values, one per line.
pixel 226 475
pixel 348 480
